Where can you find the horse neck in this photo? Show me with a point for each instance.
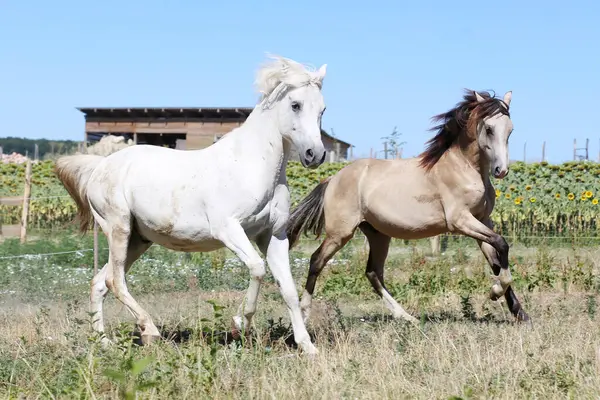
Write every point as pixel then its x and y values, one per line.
pixel 262 145
pixel 467 149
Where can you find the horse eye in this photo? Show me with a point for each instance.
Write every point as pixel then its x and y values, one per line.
pixel 296 106
pixel 489 131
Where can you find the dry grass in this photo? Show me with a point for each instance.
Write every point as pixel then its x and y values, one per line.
pixel 478 353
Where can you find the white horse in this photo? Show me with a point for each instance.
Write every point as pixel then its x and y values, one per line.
pixel 227 194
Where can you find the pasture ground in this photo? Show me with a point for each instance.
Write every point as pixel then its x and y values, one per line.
pixel 466 347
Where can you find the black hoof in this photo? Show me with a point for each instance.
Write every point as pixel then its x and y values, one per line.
pixel 522 317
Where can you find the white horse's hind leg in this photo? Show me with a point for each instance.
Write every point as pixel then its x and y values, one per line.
pixel 235 239
pixel 99 288
pixel 97 296
pixel 122 255
pixel 277 251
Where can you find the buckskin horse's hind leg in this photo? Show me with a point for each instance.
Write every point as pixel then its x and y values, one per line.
pixel 378 250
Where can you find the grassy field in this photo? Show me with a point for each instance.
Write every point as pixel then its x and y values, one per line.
pixel 466 347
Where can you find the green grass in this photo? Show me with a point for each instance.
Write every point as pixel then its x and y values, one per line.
pixel 466 346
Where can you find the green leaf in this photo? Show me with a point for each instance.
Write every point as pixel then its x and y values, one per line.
pixel 140 365
pixel 113 374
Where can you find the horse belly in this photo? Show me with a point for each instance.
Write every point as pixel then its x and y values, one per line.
pixel 410 221
pixel 188 238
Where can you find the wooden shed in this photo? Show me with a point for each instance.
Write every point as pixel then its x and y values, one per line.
pixel 180 128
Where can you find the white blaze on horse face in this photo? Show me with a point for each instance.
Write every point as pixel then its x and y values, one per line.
pixel 493 139
pixel 299 114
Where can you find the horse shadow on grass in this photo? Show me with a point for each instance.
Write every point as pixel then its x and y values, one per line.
pixel 275 332
pixel 433 318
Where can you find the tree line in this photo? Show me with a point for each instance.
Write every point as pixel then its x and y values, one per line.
pixel 46 148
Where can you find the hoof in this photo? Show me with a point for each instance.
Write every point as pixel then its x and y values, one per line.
pixel 522 317
pixel 105 342
pixel 403 316
pixel 311 351
pixel 236 329
pixel 496 292
pixel 149 339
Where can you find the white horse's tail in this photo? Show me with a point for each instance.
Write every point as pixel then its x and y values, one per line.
pixel 74 173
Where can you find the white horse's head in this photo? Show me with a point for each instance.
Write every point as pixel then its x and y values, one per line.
pixel 293 93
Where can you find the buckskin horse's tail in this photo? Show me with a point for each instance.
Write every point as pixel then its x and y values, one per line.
pixel 308 215
pixel 74 173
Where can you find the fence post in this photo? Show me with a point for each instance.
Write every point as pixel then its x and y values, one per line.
pixel 435 245
pixel 544 151
pixel 95 247
pixel 26 196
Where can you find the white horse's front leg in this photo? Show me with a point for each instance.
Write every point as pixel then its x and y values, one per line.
pixel 235 239
pixel 279 263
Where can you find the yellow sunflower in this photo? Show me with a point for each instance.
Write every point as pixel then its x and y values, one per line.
pixel 557 196
pixel 595 201
pixel 498 193
pixel 589 194
pixel 570 196
pixel 507 195
pixel 517 201
pixel 583 198
pixel 528 187
pixel 532 200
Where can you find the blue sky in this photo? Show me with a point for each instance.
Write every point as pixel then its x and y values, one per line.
pixel 392 63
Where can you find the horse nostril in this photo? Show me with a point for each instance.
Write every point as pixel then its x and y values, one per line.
pixel 310 155
pixel 497 171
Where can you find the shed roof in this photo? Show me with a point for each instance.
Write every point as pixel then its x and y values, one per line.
pixel 133 113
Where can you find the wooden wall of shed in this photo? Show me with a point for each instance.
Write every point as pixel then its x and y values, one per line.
pixel 198 134
pixel 202 134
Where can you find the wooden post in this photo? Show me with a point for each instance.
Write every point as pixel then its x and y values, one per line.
pixel 26 195
pixel 436 245
pixel 95 247
pixel 587 146
pixel 543 151
pixel 385 150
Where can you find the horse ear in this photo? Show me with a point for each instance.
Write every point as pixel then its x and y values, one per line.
pixel 322 71
pixel 508 97
pixel 479 98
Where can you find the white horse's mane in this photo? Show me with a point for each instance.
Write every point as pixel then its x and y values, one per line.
pixel 287 71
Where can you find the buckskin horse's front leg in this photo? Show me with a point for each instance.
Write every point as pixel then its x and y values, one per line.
pixel 495 249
